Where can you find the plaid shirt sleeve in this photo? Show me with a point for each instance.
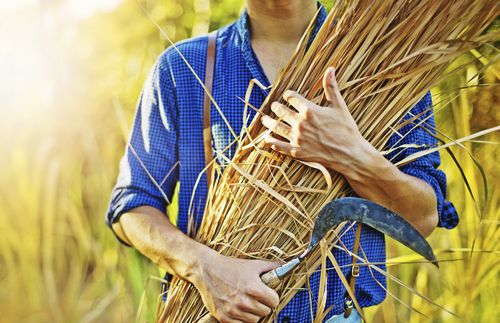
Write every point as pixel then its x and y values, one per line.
pixel 418 132
pixel 149 162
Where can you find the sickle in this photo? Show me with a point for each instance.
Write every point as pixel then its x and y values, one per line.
pixel 359 210
pixel 363 211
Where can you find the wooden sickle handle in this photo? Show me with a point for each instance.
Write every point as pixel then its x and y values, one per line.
pixel 270 278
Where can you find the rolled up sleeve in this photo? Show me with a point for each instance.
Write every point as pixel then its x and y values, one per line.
pixel 148 171
pixel 416 136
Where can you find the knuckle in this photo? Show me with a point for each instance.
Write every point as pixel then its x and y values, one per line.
pixel 253 291
pixel 299 139
pixel 266 311
pixel 264 121
pixel 243 305
pixel 301 127
pixel 288 94
pixel 275 107
pixel 232 312
pixel 306 113
pixel 276 299
pixel 311 108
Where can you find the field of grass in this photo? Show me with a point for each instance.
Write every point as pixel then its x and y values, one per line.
pixel 64 129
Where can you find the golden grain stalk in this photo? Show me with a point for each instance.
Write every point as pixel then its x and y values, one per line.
pixel 387 55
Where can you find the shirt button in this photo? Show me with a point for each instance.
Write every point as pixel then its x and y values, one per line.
pixel 286 319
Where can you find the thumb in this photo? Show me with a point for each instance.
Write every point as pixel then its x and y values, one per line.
pixel 331 87
pixel 263 266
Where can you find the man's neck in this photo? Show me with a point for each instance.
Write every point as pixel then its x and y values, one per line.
pixel 280 21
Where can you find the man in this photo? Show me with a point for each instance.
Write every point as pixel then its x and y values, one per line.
pixel 166 146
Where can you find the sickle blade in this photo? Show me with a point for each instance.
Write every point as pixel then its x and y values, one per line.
pixel 375 216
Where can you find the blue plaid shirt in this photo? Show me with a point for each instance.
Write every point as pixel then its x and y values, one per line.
pixel 167 141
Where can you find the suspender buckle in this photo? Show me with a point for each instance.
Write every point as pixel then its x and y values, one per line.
pixel 355 271
pixel 348 304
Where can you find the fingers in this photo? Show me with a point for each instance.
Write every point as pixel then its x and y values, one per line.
pixel 285 113
pixel 260 292
pixel 282 147
pixel 265 295
pixel 331 88
pixel 297 101
pixel 258 302
pixel 302 105
pixel 245 316
pixel 263 266
pixel 227 319
pixel 252 309
pixel 276 126
pixel 234 292
pixel 246 307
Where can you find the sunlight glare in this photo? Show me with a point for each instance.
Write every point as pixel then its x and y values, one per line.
pixel 37 60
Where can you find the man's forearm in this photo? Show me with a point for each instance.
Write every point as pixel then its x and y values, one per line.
pixel 377 179
pixel 230 288
pixel 330 136
pixel 152 233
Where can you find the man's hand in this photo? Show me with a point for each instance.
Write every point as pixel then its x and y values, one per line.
pixel 232 290
pixel 327 135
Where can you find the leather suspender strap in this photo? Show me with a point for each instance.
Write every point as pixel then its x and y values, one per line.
pixel 209 78
pixel 354 272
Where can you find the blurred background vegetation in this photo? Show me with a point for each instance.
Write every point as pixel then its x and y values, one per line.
pixel 70 74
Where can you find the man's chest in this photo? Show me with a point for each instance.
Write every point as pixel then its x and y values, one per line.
pixel 231 82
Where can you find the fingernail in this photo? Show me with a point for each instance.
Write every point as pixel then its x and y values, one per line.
pixel 332 73
pixel 287 94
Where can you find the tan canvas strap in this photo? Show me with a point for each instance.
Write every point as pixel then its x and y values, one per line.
pixel 209 79
pixel 354 272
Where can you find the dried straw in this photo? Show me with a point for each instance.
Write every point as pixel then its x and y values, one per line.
pixel 387 55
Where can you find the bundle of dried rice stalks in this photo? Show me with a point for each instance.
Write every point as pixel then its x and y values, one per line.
pixel 387 55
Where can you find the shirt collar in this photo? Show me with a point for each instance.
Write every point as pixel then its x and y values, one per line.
pixel 243 30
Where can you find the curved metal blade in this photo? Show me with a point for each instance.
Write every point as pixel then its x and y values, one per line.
pixel 375 216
